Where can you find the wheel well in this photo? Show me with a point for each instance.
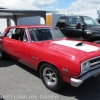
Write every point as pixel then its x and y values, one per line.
pixel 43 62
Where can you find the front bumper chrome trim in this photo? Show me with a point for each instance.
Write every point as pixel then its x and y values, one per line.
pixel 77 82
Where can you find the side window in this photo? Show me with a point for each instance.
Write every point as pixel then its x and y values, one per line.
pixel 10 32
pixel 61 22
pixel 73 21
pixel 24 36
pixel 61 25
pixel 17 34
pixel 20 34
pixel 31 32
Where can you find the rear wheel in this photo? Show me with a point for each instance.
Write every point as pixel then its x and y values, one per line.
pixel 2 55
pixel 51 77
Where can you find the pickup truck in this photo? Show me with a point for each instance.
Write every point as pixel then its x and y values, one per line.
pixel 98 20
pixel 56 58
pixel 80 27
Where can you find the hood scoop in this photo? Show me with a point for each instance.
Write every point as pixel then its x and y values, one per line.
pixel 79 44
pixel 76 45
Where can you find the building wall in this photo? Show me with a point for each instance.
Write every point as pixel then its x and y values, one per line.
pixel 29 20
pixel 49 19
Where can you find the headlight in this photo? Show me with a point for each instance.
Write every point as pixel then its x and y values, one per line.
pixel 89 32
pixel 85 67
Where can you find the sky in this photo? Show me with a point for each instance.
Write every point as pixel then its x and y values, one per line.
pixel 48 5
pixel 51 5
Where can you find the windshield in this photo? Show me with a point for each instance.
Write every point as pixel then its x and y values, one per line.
pixel 90 21
pixel 41 34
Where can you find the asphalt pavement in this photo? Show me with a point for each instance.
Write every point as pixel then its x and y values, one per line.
pixel 19 82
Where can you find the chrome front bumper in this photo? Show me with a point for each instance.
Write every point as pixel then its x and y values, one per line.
pixel 77 82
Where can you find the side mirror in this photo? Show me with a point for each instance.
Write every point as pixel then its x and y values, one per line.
pixel 99 21
pixel 78 26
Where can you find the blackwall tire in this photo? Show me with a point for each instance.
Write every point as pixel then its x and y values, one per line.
pixel 2 55
pixel 51 77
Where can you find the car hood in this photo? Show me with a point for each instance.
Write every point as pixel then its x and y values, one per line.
pixel 70 48
pixel 94 28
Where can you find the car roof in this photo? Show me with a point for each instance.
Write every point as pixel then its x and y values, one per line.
pixel 73 16
pixel 31 26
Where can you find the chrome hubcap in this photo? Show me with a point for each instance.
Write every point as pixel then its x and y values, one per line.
pixel 49 77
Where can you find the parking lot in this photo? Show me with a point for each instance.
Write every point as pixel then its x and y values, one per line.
pixel 19 82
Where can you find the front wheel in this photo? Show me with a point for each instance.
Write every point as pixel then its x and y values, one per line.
pixel 51 77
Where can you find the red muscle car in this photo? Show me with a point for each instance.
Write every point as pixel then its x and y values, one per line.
pixel 57 58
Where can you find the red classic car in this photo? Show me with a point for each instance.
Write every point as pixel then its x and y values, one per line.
pixel 57 58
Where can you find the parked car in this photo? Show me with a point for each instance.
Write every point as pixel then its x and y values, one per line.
pixel 57 58
pixel 80 27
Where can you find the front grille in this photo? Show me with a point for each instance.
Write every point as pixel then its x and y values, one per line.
pixel 95 60
pixel 94 63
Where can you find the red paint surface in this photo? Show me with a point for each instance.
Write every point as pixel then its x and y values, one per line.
pixel 58 55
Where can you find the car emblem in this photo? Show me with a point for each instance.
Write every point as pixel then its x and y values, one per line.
pixel 64 69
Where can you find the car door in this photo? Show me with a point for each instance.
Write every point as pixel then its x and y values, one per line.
pixel 18 45
pixel 35 49
pixel 25 49
pixel 7 40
